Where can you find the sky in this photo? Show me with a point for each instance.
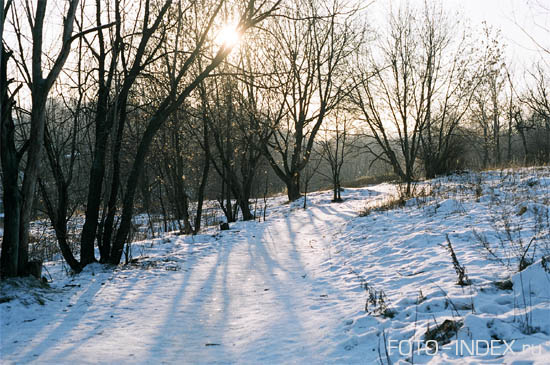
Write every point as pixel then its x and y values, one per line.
pixel 514 18
pixel 510 16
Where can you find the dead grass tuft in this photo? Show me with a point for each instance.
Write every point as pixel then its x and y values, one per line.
pixel 391 203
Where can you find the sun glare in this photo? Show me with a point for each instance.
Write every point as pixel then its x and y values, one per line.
pixel 228 36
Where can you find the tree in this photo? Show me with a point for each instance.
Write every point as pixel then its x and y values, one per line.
pixel 447 78
pixel 386 96
pixel 537 99
pixel 307 59
pixel 10 157
pixel 175 158
pixel 236 118
pixel 166 37
pixel 487 105
pixel 62 140
pixel 19 205
pixel 337 143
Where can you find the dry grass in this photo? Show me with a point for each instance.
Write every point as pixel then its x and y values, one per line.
pixel 369 180
pixel 390 203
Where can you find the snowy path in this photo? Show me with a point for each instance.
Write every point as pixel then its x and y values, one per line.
pixel 266 293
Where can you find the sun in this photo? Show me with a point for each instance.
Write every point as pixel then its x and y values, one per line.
pixel 228 36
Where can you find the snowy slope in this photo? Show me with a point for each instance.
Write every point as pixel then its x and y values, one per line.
pixel 302 286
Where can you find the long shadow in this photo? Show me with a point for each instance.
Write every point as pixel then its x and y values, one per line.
pixel 278 272
pixel 64 327
pixel 215 284
pixel 175 351
pixel 283 279
pixel 87 309
pixel 107 318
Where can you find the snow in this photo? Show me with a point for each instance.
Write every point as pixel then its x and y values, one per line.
pixel 305 285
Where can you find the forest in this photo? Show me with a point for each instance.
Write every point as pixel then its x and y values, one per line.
pixel 154 106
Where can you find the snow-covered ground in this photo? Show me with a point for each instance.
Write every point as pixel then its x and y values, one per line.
pixel 321 285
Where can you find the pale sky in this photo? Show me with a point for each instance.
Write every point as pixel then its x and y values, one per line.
pixel 510 16
pixel 507 15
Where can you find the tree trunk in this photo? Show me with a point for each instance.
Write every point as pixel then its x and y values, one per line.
pixel 131 184
pixel 12 207
pixel 510 128
pixel 496 136
pixel 245 209
pixel 485 148
pixel 293 187
pixel 34 156
pixel 58 213
pixel 10 173
pixel 183 201
pixel 336 196
pixel 97 174
pixel 200 195
pixel 228 206
pixel 429 166
pixel 105 247
pixel 205 171
pixel 305 194
pixel 524 143
pixel 58 218
pixel 409 177
pixel 225 197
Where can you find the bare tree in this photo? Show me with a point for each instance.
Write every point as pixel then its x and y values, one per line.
pixel 307 61
pixel 449 74
pixel 337 142
pixel 10 157
pixel 111 111
pixel 537 99
pixel 63 136
pixel 513 115
pixel 386 96
pixel 487 102
pixel 19 206
pixel 239 125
